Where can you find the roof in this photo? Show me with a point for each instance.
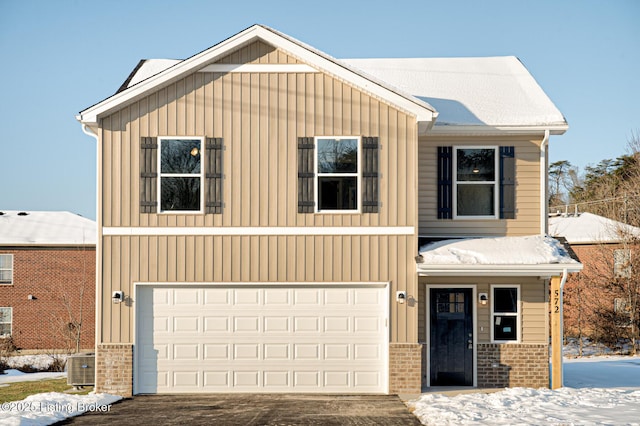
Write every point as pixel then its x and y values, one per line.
pixel 45 228
pixel 471 92
pixel 424 112
pixel 589 228
pixel 468 93
pixel 509 256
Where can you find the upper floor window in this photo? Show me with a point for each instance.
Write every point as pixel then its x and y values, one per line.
pixel 476 182
pixel 505 313
pixel 6 318
pixel 338 173
pixel 622 263
pixel 180 174
pixel 6 269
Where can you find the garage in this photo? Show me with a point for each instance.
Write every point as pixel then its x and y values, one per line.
pixel 261 338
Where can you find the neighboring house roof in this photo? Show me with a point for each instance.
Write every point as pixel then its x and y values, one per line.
pixel 45 228
pixel 514 256
pixel 493 91
pixel 589 228
pixel 424 112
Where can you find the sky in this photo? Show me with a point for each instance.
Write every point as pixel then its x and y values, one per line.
pixel 60 57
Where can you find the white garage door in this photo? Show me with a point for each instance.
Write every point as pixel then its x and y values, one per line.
pixel 261 339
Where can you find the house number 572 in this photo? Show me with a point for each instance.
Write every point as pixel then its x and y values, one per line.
pixel 556 301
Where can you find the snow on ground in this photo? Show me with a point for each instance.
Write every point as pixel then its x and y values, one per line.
pixel 14 376
pixel 51 407
pixel 598 391
pixel 45 408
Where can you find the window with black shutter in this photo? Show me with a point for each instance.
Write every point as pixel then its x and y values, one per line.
pixel 476 182
pixel 338 174
pixel 174 178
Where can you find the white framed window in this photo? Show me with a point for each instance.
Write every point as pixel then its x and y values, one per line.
pixel 505 313
pixel 6 269
pixel 338 174
pixel 6 319
pixel 181 179
pixel 622 263
pixel 476 182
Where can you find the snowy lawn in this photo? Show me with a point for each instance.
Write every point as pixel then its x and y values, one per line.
pixel 46 408
pixel 598 391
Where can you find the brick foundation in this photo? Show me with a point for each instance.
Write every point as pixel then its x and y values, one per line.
pixel 114 369
pixel 513 365
pixel 405 367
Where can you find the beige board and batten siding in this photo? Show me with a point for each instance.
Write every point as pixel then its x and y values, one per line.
pixel 533 305
pixel 259 116
pixel 527 221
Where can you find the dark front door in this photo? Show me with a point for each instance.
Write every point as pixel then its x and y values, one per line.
pixel 451 337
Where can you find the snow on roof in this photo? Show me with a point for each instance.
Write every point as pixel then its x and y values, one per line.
pixel 508 254
pixel 491 91
pixel 147 68
pixel 45 228
pixel 590 228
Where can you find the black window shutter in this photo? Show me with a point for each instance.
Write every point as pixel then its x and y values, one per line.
pixel 370 196
pixel 445 182
pixel 507 182
pixel 148 175
pixel 213 176
pixel 306 149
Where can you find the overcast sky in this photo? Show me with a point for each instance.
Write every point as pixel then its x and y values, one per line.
pixel 59 57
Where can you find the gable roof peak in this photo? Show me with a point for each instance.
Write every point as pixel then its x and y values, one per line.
pixel 424 112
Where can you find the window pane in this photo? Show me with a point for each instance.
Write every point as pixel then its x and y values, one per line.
pixel 5 277
pixel 5 261
pixel 337 193
pixel 180 156
pixel 475 200
pixel 180 193
pixel 504 328
pixel 476 164
pixel 5 315
pixel 505 300
pixel 337 155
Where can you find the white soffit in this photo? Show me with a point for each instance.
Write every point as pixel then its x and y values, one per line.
pixel 314 58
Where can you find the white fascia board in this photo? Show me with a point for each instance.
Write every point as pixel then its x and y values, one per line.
pixel 420 109
pixel 552 269
pixel 474 130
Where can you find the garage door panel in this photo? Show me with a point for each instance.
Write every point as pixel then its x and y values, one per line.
pixel 261 339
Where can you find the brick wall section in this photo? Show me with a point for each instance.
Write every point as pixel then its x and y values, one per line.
pixel 114 369
pixel 51 275
pixel 405 368
pixel 513 365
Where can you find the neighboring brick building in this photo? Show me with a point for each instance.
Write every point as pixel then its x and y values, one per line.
pixel 47 280
pixel 592 306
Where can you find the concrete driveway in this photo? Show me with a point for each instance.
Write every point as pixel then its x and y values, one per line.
pixel 253 409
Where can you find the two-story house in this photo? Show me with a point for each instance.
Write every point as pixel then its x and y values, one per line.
pixel 260 211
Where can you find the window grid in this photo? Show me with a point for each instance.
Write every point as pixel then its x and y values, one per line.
pixel 177 178
pixel 6 319
pixel 494 184
pixel 502 319
pixel 341 177
pixel 6 269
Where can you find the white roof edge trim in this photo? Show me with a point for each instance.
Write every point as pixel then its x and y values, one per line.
pixel 444 129
pixel 422 110
pixel 515 270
